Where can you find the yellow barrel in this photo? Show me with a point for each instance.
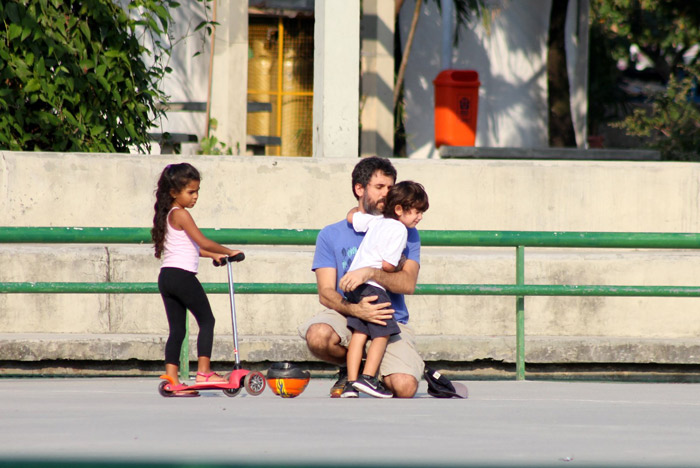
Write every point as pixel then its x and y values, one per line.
pixel 297 111
pixel 259 82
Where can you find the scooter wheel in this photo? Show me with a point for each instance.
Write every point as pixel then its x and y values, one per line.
pixel 254 383
pixel 232 392
pixel 163 391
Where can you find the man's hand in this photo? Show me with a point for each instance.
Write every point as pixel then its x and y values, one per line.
pixel 365 310
pixel 374 313
pixel 351 280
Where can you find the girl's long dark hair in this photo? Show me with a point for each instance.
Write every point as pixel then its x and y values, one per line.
pixel 174 177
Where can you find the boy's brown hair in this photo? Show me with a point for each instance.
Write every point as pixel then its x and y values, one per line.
pixel 406 194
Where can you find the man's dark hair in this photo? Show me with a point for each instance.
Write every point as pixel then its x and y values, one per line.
pixel 407 194
pixel 365 169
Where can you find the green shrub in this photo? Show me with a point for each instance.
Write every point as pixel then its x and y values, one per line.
pixel 74 76
pixel 672 124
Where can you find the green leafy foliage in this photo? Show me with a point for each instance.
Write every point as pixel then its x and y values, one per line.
pixel 81 75
pixel 664 30
pixel 672 124
pixel 211 145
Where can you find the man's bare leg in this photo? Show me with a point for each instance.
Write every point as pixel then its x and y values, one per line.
pixel 402 385
pixel 324 343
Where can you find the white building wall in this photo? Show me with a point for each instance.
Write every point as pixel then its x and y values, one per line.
pixel 511 59
pixel 188 81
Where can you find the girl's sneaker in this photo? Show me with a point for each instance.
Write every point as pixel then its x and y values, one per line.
pixel 349 391
pixel 372 386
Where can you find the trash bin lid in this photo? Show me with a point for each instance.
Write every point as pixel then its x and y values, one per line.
pixel 467 78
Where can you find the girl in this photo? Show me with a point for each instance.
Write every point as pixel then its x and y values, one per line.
pixel 180 243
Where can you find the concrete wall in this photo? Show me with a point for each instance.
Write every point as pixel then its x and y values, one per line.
pixel 43 189
pixel 49 189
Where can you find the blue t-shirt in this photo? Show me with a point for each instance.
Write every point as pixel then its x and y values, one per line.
pixel 336 246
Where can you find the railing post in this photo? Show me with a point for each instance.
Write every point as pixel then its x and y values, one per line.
pixel 520 315
pixel 185 352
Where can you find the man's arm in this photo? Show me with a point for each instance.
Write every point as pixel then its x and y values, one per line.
pixel 330 298
pixel 398 282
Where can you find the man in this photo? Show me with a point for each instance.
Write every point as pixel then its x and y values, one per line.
pixel 326 334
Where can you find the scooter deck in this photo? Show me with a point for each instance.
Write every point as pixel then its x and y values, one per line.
pixel 235 380
pixel 253 381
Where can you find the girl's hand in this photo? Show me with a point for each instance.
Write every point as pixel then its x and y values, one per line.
pixel 218 258
pixel 233 253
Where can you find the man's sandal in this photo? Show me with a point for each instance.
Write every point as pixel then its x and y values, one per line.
pixel 209 377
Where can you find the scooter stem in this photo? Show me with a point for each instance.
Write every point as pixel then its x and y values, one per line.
pixel 233 313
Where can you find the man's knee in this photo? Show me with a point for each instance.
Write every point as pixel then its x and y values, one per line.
pixel 320 337
pixel 402 385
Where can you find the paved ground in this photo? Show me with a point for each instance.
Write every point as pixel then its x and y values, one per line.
pixel 503 423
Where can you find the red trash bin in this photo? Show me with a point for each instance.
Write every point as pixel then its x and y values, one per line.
pixel 456 107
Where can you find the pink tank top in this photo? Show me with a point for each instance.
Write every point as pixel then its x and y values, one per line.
pixel 179 251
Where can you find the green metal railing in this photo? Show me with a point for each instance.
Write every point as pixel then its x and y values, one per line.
pixel 517 239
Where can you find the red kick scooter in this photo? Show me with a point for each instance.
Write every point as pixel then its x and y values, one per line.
pixel 253 381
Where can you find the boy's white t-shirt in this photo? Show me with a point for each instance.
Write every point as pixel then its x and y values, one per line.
pixel 385 241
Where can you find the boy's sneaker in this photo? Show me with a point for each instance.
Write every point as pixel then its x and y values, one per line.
pixel 339 385
pixel 349 391
pixel 372 386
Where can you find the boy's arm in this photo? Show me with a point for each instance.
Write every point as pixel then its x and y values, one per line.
pixel 330 298
pixel 388 267
pixel 350 214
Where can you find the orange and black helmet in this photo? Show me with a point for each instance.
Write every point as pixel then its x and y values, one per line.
pixel 286 379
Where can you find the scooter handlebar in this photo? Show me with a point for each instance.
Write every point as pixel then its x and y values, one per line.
pixel 239 257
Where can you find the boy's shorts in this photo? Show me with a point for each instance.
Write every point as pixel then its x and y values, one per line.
pixel 372 330
pixel 401 356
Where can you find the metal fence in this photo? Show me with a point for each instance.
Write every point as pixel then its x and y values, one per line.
pixel 519 240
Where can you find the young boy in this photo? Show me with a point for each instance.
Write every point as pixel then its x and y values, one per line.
pixel 384 241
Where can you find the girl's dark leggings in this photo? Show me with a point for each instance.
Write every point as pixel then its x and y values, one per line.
pixel 181 290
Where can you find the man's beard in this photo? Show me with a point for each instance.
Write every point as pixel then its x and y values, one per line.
pixel 372 207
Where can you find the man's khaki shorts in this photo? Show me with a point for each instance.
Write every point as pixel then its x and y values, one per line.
pixel 400 357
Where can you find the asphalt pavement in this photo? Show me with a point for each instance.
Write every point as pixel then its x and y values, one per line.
pixel 120 421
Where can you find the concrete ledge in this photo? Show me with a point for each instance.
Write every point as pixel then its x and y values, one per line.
pixel 474 152
pixel 455 349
